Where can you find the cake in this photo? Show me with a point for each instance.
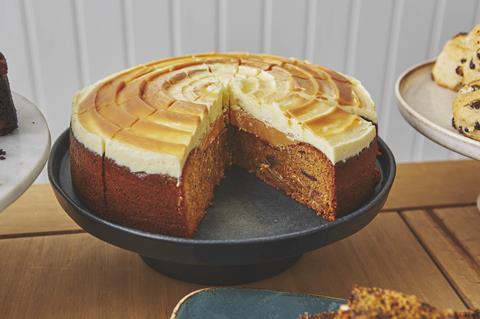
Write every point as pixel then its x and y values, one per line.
pixel 8 114
pixel 376 303
pixel 148 145
pixel 458 68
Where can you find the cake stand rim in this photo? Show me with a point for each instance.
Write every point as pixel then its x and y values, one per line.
pixel 426 126
pixel 220 251
pixel 27 181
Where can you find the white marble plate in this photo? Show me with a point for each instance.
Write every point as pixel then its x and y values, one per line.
pixel 428 108
pixel 27 151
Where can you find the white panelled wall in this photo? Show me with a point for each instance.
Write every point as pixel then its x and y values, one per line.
pixel 55 47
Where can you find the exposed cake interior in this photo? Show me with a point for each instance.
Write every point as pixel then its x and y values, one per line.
pixel 181 122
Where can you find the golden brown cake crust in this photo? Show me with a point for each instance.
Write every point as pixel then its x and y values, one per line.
pixel 355 179
pixel 86 169
pixel 151 202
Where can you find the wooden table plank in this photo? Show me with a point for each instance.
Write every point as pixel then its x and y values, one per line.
pixel 463 224
pixel 416 185
pixel 452 238
pixel 420 185
pixel 36 211
pixel 79 276
pixel 384 254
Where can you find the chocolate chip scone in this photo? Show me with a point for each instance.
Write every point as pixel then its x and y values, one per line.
pixel 471 68
pixel 466 110
pixel 458 63
pixel 448 69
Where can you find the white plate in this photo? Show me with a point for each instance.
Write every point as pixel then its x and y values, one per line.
pixel 428 108
pixel 27 151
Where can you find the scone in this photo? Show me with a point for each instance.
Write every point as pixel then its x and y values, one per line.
pixel 449 67
pixel 466 110
pixel 471 69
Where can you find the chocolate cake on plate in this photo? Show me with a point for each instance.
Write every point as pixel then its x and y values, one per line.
pixel 8 114
pixel 148 145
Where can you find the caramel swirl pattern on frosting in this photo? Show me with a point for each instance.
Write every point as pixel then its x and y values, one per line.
pixel 150 117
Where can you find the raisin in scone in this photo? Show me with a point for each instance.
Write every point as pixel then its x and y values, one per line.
pixel 459 62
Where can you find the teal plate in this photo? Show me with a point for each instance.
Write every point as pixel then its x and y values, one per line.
pixel 233 303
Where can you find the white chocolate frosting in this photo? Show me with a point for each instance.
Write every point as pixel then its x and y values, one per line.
pixel 150 117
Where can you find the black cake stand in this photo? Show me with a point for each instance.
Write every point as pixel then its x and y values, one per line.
pixel 251 232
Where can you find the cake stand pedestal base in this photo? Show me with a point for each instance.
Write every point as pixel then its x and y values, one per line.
pixel 220 275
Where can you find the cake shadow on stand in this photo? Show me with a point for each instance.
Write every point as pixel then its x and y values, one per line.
pixel 251 232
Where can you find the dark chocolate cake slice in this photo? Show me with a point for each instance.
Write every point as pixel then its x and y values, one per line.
pixel 8 114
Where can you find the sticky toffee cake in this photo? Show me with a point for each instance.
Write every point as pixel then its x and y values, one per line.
pixel 149 145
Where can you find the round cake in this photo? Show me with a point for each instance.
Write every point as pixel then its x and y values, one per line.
pixel 148 145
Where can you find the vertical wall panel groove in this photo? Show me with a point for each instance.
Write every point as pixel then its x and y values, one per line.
pixel 419 141
pixel 216 29
pixel 435 47
pixel 437 23
pixel 352 36
pixel 176 29
pixel 476 17
pixel 413 40
pixel 171 25
pixel 331 33
pixel 310 18
pixel 33 54
pixel 267 26
pixel 199 22
pixel 80 43
pixel 240 33
pixel 385 106
pixel 222 25
pixel 15 46
pixel 128 35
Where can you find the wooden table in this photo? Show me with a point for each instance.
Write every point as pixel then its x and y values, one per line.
pixel 425 242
